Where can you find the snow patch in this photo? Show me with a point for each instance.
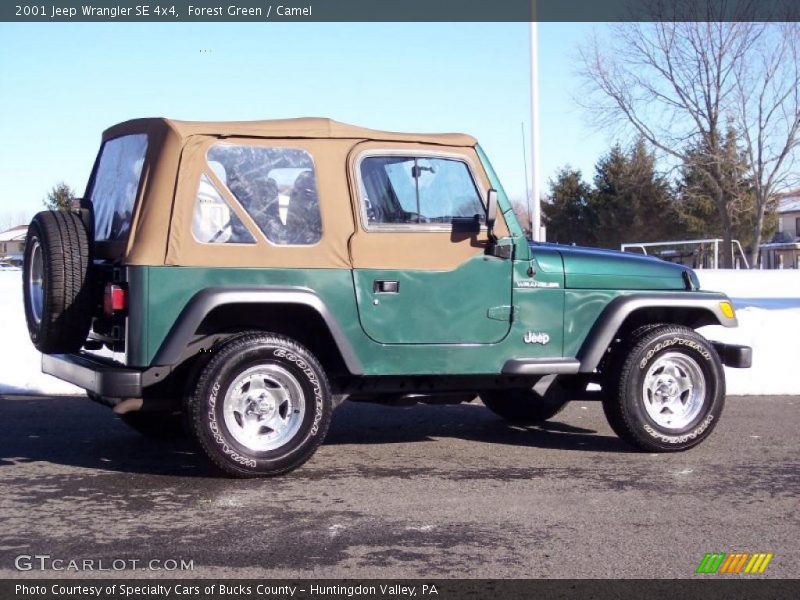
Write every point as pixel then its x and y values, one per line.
pixel 768 308
pixel 20 362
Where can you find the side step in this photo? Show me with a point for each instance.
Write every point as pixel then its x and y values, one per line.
pixel 539 366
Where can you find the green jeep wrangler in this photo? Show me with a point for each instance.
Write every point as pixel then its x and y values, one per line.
pixel 246 277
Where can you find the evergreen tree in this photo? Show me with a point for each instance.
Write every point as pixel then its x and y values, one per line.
pixel 632 202
pixel 60 197
pixel 567 213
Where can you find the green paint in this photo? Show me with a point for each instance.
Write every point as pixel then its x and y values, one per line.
pixel 171 289
pixel 591 268
pixel 581 309
pixel 436 307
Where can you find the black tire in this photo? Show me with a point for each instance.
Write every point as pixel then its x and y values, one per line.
pixel 156 425
pixel 691 360
pixel 526 406
pixel 57 253
pixel 612 367
pixel 280 357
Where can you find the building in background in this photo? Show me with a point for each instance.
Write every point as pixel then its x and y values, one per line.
pixel 783 252
pixel 12 245
pixel 789 214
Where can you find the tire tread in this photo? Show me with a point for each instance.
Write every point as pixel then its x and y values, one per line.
pixel 66 255
pixel 194 406
pixel 614 403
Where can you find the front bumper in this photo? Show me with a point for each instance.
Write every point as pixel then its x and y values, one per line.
pixel 104 378
pixel 732 355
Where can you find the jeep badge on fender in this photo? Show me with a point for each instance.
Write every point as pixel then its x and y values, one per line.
pixel 533 337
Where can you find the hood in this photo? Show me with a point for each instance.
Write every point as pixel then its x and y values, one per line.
pixel 594 268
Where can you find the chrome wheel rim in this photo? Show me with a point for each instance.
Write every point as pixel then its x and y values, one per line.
pixel 264 407
pixel 674 390
pixel 36 281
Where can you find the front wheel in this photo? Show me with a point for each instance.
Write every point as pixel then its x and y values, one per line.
pixel 668 391
pixel 261 406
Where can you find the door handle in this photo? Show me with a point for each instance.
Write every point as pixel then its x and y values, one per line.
pixel 380 286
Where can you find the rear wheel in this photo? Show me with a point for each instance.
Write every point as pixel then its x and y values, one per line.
pixel 56 280
pixel 527 405
pixel 667 392
pixel 261 406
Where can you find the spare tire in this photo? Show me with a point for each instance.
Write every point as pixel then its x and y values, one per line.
pixel 56 282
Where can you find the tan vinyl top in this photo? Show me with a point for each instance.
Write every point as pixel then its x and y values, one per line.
pixel 306 127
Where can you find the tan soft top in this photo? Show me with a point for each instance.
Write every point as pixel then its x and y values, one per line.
pixel 307 127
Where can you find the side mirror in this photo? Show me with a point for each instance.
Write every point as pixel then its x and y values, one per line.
pixel 491 211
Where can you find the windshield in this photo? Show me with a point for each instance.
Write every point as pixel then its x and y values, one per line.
pixel 115 185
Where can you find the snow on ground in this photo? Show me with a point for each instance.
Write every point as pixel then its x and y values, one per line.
pixel 768 308
pixel 757 286
pixel 767 304
pixel 20 363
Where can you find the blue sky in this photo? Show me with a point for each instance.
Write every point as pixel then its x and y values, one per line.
pixel 62 84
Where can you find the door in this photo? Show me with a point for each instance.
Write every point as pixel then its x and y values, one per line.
pixel 420 268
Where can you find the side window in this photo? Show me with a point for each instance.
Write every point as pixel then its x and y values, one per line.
pixel 276 186
pixel 214 222
pixel 411 190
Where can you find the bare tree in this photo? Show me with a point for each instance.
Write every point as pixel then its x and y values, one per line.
pixel 9 219
pixel 678 82
pixel 768 115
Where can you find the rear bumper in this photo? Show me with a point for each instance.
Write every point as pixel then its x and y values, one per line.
pixel 101 377
pixel 731 355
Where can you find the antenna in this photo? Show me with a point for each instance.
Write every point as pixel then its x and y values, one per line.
pixel 527 189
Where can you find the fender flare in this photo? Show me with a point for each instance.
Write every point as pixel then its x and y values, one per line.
pixel 208 299
pixel 613 316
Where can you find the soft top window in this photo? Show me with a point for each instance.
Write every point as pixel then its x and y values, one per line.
pixel 115 185
pixel 277 186
pixel 417 190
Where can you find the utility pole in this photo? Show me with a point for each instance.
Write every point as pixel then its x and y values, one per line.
pixel 536 222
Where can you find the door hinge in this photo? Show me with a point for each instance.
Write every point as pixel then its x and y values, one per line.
pixel 501 313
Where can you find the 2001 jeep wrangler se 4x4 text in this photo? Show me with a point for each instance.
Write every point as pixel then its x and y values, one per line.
pixel 245 277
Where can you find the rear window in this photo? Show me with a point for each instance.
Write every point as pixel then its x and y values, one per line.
pixel 115 185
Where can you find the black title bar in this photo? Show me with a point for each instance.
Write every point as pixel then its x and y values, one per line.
pixel 173 11
pixel 714 588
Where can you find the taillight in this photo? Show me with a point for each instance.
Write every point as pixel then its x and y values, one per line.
pixel 113 299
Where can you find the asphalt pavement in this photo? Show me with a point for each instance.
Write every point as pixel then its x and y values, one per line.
pixel 422 491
